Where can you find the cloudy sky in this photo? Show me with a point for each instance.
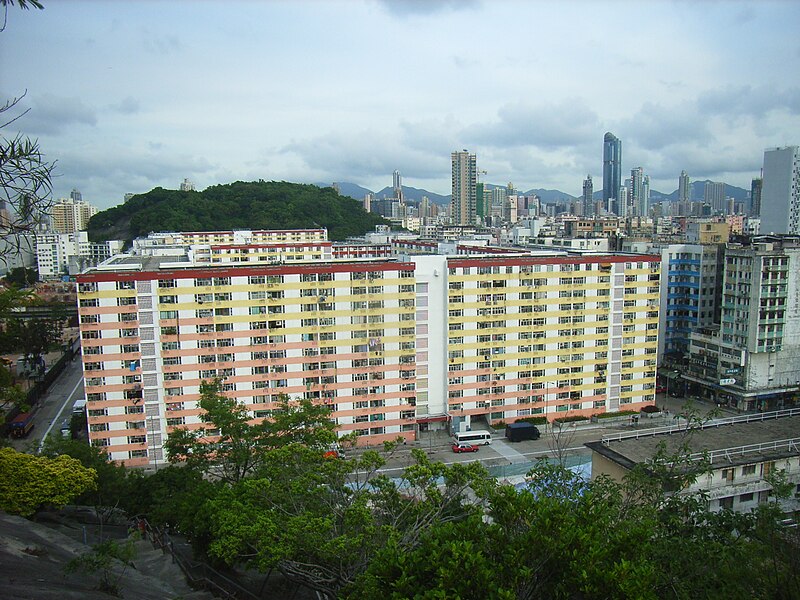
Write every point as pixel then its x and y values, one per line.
pixel 127 96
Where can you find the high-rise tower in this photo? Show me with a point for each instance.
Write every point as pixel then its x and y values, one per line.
pixel 714 195
pixel 684 189
pixel 397 185
pixel 640 194
pixel 755 196
pixel 465 179
pixel 780 191
pixel 612 171
pixel 588 190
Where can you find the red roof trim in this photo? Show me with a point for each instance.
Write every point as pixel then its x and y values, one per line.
pixel 242 270
pixel 549 260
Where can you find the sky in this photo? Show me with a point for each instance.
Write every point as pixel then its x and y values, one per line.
pixel 126 96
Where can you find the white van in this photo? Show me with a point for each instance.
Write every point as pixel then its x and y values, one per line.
pixel 79 408
pixel 473 437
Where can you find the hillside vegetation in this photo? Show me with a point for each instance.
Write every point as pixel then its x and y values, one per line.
pixel 240 205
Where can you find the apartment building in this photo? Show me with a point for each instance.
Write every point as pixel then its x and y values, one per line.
pixel 751 359
pixel 394 345
pixel 690 294
pixel 69 215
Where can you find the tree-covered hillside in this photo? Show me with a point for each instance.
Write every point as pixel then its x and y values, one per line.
pixel 240 205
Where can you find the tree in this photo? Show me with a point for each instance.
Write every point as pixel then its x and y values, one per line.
pixel 564 538
pixel 25 176
pixel 172 496
pixel 22 277
pixel 559 437
pixel 232 446
pixel 25 184
pixel 113 484
pixel 33 336
pixel 321 522
pixel 28 482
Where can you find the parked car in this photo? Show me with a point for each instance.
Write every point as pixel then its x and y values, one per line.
pixel 661 389
pixel 458 448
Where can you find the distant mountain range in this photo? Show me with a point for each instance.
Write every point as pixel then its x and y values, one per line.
pixel 548 196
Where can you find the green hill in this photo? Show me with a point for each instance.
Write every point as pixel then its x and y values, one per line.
pixel 239 205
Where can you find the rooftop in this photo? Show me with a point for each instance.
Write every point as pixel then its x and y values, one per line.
pixel 731 441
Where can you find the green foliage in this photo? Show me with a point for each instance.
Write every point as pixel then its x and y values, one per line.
pixel 621 413
pixel 171 496
pixel 102 560
pixel 570 419
pixel 22 277
pixel 533 420
pixel 232 447
pixel 28 482
pixel 322 522
pixel 566 538
pixel 112 480
pixel 240 205
pixel 23 4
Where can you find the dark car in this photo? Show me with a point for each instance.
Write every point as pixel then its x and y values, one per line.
pixel 462 447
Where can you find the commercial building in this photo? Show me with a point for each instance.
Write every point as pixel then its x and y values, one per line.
pixel 64 254
pixel 394 345
pixel 741 452
pixel 684 188
pixel 587 200
pixel 612 173
pixel 690 295
pixel 464 181
pixel 714 195
pixel 780 191
pixel 751 359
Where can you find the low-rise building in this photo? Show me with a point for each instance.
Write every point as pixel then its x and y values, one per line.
pixel 740 454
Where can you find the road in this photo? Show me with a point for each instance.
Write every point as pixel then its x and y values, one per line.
pixel 503 456
pixel 54 407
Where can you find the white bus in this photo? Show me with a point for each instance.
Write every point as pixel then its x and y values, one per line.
pixel 474 437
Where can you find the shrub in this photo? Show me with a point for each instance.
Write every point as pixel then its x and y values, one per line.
pixel 533 420
pixel 571 419
pixel 652 408
pixel 621 413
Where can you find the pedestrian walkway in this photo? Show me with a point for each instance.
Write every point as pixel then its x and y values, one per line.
pixel 506 451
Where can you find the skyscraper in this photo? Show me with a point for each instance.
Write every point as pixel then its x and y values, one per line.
pixel 640 196
pixel 612 172
pixel 780 191
pixel 714 195
pixel 397 185
pixel 465 179
pixel 588 190
pixel 755 196
pixel 684 188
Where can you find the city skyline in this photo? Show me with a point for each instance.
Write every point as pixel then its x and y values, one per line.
pixel 344 91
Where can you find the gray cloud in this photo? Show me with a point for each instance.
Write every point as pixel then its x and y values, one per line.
pixel 735 101
pixel 407 8
pixel 548 127
pixel 364 156
pixel 159 43
pixel 656 126
pixel 130 169
pixel 126 106
pixel 51 115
